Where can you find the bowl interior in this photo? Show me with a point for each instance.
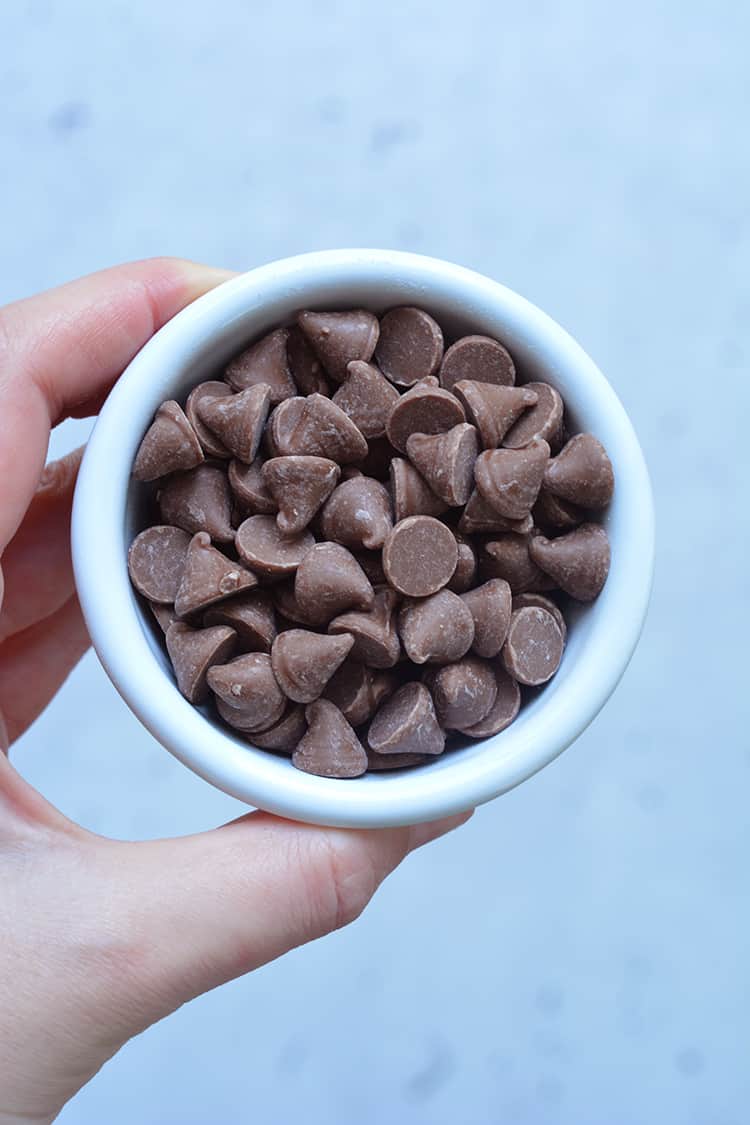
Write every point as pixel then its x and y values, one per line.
pixel 195 346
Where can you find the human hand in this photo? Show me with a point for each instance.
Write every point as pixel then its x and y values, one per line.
pixel 100 938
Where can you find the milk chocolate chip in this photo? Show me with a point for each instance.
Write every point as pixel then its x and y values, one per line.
pixel 304 662
pixel 193 652
pixel 510 479
pixel 523 601
pixel 377 762
pixel 212 447
pixel 465 574
pixel 493 408
pixel 407 724
pixel 411 494
pixel 306 368
pixel 436 630
pixel 578 562
pixel 502 712
pixel 208 577
pixel 265 550
pixel 477 358
pixel 249 487
pixel 156 560
pixel 410 346
pixel 248 684
pixel 367 398
pixel 330 748
pixel 337 338
pixel 425 409
pixel 358 514
pixel 446 461
pixel 284 419
pixel 552 514
pixel 533 648
pixel 581 473
pixel 238 421
pixel 324 430
pixel 419 556
pixel 198 500
pixel 330 580
pixel 264 362
pixel 480 517
pixel 164 614
pixel 508 557
pixel 283 735
pixel 541 421
pixel 376 641
pixel 490 608
pixel 170 445
pixel 358 690
pixel 299 486
pixel 463 692
pixel 251 616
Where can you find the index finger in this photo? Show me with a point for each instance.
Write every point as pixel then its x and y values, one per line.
pixel 62 350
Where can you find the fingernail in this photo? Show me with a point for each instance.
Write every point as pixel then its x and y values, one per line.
pixel 422 834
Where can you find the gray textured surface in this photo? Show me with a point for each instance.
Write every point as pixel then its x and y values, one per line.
pixel 580 952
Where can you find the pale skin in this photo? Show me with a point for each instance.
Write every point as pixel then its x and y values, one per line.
pixel 88 956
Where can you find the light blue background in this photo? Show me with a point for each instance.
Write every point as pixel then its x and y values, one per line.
pixel 579 954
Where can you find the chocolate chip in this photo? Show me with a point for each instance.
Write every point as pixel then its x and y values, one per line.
pixel 291 611
pixel 490 608
pixel 376 640
pixel 493 408
pixel 446 461
pixel 337 338
pixel 552 514
pixel 358 514
pixel 419 556
pixel 283 735
pixel 208 577
pixel 324 430
pixel 238 421
pixel 463 692
pixel 503 710
pixel 411 494
pixel 212 389
pixel 508 557
pixel 522 601
pixel 407 724
pixel 542 421
pixel 264 362
pixel 478 358
pixel 377 762
pixel 248 685
pixel 164 614
pixel 329 581
pixel 377 463
pixel 306 368
pixel 299 486
pixel 410 345
pixel 533 648
pixel 464 576
pixel 283 421
pixel 581 473
pixel 436 630
pixel 480 517
pixel 170 445
pixel 198 500
pixel 303 662
pixel 247 484
pixel 358 690
pixel 578 562
pixel 330 748
pixel 156 560
pixel 251 616
pixel 193 652
pixel 367 398
pixel 425 409
pixel 510 479
pixel 262 546
pixel 372 564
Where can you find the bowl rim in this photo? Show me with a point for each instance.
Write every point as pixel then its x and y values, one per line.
pixel 115 619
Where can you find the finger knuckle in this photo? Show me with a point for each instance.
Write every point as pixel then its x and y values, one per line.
pixel 343 880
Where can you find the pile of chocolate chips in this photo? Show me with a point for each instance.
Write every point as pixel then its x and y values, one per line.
pixel 361 539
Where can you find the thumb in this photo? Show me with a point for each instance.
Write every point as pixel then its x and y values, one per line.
pixel 204 909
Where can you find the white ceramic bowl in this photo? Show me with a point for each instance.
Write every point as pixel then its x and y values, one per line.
pixel 193 347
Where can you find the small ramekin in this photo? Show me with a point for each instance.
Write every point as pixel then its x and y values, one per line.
pixel 194 346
